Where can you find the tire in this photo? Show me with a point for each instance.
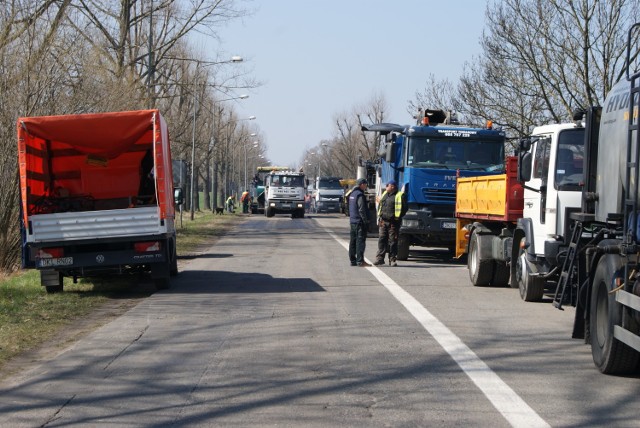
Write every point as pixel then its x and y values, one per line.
pixel 51 280
pixel 269 212
pixel 501 274
pixel 480 271
pixel 161 274
pixel 403 247
pixel 609 354
pixel 162 283
pixel 531 287
pixel 174 259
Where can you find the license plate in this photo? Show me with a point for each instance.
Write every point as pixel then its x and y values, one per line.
pixel 286 206
pixel 61 261
pixel 448 225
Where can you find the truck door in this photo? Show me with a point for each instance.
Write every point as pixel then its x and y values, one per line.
pixel 535 192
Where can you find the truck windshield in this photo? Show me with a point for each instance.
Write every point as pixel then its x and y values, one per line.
pixel 329 183
pixel 455 154
pixel 287 181
pixel 569 160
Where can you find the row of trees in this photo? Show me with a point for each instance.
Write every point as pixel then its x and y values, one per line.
pixel 541 60
pixel 77 56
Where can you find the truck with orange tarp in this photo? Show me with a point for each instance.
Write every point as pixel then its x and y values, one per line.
pixel 97 196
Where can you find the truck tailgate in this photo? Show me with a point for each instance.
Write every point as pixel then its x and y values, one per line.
pixel 95 224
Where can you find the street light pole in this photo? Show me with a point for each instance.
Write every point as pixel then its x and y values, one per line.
pixel 214 174
pixel 255 144
pixel 193 132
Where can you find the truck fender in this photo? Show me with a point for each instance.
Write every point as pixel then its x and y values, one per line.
pixel 615 263
pixel 526 225
pixel 491 245
pixel 485 240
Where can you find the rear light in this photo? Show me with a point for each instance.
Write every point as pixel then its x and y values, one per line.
pixel 50 253
pixel 144 247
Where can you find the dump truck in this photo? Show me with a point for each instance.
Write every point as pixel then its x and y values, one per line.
pixel 425 159
pixel 514 228
pixel 284 193
pixel 97 196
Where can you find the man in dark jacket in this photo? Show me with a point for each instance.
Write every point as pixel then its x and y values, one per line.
pixel 391 208
pixel 359 221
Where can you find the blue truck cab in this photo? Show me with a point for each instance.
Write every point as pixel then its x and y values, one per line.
pixel 425 160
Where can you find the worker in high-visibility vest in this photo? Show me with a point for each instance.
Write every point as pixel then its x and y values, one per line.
pixel 231 203
pixel 245 201
pixel 391 208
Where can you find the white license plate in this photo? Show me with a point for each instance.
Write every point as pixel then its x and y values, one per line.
pixel 60 261
pixel 286 206
pixel 448 225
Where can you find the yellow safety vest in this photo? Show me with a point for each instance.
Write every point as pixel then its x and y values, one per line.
pixel 398 204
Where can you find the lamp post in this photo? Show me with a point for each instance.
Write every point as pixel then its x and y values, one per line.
pixel 193 132
pixel 214 173
pixel 255 144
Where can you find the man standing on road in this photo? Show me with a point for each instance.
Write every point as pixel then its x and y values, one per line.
pixel 391 208
pixel 359 221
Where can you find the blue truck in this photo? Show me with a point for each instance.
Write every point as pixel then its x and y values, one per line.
pixel 425 160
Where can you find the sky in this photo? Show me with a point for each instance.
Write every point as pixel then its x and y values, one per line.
pixel 320 58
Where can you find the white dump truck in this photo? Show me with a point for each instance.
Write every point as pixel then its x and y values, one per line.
pixel 284 193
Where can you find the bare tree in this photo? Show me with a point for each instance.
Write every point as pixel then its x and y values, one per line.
pixel 341 155
pixel 544 58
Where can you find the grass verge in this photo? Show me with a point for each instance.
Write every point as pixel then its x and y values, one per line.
pixel 29 316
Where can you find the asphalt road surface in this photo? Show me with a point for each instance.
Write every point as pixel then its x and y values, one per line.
pixel 271 326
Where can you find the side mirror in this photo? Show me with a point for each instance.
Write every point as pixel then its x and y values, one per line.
pixel 525 145
pixel 178 196
pixel 524 167
pixel 390 153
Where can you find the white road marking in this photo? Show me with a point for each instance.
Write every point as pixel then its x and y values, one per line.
pixel 513 408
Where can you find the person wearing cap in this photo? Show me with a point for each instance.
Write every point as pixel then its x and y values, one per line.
pixel 391 208
pixel 359 222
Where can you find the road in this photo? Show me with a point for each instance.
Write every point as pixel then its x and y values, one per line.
pixel 273 327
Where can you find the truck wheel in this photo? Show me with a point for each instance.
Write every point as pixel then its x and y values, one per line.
pixel 51 280
pixel 301 214
pixel 161 273
pixel 501 274
pixel 403 247
pixel 174 259
pixel 609 354
pixel 269 212
pixel 531 287
pixel 480 271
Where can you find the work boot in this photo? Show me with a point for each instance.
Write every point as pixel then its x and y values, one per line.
pixel 364 264
pixel 392 262
pixel 379 262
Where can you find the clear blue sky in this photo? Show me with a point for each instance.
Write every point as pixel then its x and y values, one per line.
pixel 323 57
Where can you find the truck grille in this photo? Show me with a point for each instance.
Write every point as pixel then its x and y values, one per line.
pixel 440 195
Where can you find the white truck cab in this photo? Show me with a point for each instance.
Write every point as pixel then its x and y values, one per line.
pixel 552 189
pixel 284 193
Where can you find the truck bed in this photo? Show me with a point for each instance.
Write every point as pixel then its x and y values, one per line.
pixel 95 224
pixel 491 197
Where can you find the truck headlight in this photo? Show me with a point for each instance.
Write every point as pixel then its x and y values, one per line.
pixel 410 223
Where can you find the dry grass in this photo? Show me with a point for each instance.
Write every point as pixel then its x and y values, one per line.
pixel 30 317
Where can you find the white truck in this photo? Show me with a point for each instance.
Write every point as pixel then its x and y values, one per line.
pixel 284 193
pixel 328 192
pixel 514 226
pixel 97 196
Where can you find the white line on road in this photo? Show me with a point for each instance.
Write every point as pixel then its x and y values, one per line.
pixel 514 409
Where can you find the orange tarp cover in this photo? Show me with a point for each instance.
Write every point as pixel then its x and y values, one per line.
pixel 93 156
